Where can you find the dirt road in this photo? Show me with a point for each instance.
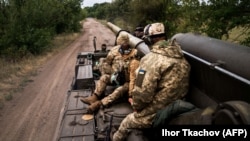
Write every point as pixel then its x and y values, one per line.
pixel 33 114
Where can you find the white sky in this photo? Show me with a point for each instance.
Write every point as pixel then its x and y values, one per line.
pixel 90 3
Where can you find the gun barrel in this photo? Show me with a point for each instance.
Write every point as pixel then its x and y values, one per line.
pixel 234 58
pixel 135 42
pixel 219 69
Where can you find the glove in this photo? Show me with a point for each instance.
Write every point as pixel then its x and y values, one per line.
pixel 113 79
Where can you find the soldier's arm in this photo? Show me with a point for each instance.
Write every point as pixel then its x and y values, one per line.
pixel 110 58
pixel 145 87
pixel 132 74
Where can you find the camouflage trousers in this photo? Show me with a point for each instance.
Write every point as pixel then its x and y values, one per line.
pixel 102 84
pixel 132 121
pixel 118 93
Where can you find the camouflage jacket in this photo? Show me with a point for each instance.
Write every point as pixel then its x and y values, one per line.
pixel 162 77
pixel 134 64
pixel 115 62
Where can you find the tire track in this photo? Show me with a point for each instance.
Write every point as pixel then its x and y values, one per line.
pixel 34 113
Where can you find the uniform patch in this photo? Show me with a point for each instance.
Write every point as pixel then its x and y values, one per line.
pixel 140 77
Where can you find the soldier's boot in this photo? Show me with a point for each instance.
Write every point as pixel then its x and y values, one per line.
pixel 94 106
pixel 89 100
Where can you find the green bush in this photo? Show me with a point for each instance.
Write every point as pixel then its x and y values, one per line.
pixel 28 27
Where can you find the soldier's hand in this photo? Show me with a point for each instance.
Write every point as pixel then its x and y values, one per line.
pixel 130 100
pixel 113 78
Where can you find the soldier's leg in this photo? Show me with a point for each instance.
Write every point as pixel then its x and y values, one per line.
pixel 102 84
pixel 100 88
pixel 130 122
pixel 118 93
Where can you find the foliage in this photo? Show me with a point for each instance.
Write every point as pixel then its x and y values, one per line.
pixel 224 15
pixel 27 26
pixel 99 11
pixel 151 11
pixel 215 18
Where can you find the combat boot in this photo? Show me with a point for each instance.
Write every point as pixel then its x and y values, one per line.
pixel 89 100
pixel 94 106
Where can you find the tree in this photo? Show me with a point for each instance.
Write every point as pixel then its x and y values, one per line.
pixel 27 26
pixel 147 11
pixel 215 18
pixel 222 16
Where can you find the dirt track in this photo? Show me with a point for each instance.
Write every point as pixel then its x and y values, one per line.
pixel 33 114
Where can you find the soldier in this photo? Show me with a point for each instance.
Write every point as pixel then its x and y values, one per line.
pixel 104 48
pixel 117 61
pixel 138 32
pixel 162 77
pixel 120 91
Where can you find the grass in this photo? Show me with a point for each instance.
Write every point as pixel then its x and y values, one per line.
pixel 15 76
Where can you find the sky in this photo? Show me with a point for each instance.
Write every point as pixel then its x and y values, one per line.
pixel 90 3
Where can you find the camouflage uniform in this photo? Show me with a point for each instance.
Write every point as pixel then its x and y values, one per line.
pixel 125 88
pixel 115 69
pixel 114 62
pixel 162 77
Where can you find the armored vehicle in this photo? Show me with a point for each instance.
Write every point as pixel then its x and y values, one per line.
pixel 219 91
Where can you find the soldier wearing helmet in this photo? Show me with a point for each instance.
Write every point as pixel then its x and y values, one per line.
pixel 120 60
pixel 162 77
